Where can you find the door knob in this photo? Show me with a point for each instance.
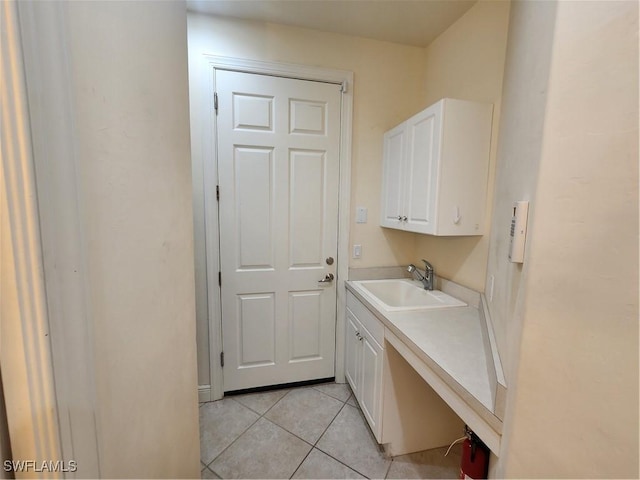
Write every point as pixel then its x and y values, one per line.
pixel 328 278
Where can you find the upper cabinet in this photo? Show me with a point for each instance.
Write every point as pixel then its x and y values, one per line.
pixel 435 169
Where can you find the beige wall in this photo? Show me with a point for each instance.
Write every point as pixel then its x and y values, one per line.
pixel 524 98
pixel 128 63
pixel 572 408
pixel 467 62
pixel 389 87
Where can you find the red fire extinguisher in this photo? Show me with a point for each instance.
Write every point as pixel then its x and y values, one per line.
pixel 475 457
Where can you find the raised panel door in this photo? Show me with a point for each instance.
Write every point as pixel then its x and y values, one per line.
pixel 353 353
pixel 278 147
pixel 371 386
pixel 421 167
pixel 392 206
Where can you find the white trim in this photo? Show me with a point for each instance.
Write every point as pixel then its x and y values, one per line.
pixel 49 89
pixel 289 70
pixel 204 393
pixel 212 246
pixel 344 221
pixel 303 72
pixel 25 352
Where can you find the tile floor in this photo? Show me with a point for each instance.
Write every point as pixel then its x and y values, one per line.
pixel 304 432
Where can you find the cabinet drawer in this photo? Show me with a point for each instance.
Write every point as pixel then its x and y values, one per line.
pixel 366 318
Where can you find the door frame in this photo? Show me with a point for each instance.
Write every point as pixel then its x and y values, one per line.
pixel 210 180
pixel 47 342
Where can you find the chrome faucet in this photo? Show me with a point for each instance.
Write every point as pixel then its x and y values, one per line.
pixel 428 278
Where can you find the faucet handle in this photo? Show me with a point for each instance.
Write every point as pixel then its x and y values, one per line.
pixel 427 266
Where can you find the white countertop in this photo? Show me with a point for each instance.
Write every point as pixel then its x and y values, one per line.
pixel 452 338
pixel 450 341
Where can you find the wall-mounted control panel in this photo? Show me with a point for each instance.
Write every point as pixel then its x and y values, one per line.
pixel 518 231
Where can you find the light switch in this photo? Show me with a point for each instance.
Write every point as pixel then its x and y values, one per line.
pixel 357 251
pixel 361 215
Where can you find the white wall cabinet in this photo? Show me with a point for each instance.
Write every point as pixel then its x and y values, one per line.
pixel 435 170
pixel 364 361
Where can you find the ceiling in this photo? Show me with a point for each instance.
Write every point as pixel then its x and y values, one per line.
pixel 409 22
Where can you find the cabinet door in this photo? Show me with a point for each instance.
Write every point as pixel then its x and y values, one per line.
pixel 422 169
pixel 353 353
pixel 371 387
pixel 464 167
pixel 392 208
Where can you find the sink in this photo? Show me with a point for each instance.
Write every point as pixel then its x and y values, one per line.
pixel 404 294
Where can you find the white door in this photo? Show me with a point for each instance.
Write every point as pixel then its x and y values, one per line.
pixel 392 174
pixel 278 170
pixel 421 169
pixel 370 388
pixel 352 354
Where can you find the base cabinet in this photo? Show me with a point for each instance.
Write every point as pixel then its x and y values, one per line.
pixel 364 361
pixel 405 414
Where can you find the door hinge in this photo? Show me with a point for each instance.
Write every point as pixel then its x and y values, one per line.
pixel 219 279
pixel 222 359
pixel 218 192
pixel 215 102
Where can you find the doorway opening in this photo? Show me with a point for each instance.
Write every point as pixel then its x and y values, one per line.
pixel 241 167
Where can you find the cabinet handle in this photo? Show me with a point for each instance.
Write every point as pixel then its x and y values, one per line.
pixel 400 218
pixel 404 219
pixel 456 216
pixel 359 336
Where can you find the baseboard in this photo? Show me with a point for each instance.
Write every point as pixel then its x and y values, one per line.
pixel 204 393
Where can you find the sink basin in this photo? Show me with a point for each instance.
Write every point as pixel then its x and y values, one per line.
pixel 404 294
